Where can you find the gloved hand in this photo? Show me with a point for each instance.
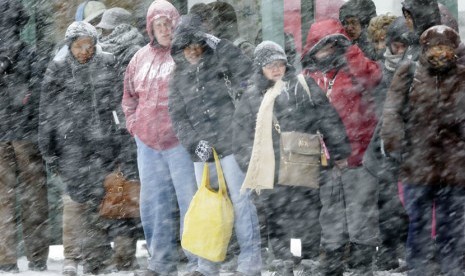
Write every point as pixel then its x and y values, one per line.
pixel 204 151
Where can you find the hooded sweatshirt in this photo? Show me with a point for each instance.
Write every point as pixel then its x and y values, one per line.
pixel 145 98
pixel 353 77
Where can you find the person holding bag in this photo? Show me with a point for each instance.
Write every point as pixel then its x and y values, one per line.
pixel 209 72
pixel 280 96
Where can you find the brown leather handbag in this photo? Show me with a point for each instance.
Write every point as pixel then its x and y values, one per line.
pixel 121 200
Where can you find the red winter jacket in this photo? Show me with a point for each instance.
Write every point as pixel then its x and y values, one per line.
pixel 352 86
pixel 145 98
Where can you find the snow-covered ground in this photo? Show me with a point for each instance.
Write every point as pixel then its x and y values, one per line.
pixel 55 263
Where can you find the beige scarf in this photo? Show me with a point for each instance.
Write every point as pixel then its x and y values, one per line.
pixel 260 174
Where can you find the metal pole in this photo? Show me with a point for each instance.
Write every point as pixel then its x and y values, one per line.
pixel 273 20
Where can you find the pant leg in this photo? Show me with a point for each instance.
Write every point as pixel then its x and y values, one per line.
pixel 450 224
pixel 332 216
pixel 96 249
pixel 305 211
pixel 278 217
pixel 245 223
pixel 158 209
pixel 183 177
pixel 361 198
pixel 419 253
pixel 8 249
pixel 72 221
pixel 33 200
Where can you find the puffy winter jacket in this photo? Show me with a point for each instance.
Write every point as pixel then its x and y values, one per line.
pixel 349 86
pixel 145 98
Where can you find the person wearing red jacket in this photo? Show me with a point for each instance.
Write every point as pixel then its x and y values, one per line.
pixel 165 168
pixel 347 77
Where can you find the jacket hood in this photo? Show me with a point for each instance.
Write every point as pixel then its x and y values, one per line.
pixel 447 18
pixel 320 34
pixel 80 29
pixel 189 31
pixel 440 35
pixel 425 13
pixel 160 8
pixel 398 32
pixel 364 10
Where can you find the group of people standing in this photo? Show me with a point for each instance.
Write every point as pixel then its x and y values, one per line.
pixel 386 94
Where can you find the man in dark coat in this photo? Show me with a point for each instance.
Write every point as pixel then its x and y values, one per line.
pixel 77 130
pixel 123 40
pixel 21 167
pixel 424 127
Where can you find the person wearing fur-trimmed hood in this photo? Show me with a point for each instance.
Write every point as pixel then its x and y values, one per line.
pixel 206 83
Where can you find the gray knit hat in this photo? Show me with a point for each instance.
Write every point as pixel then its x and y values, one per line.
pixel 267 52
pixel 114 17
pixel 80 29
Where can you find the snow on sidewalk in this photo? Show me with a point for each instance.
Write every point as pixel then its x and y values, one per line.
pixel 55 263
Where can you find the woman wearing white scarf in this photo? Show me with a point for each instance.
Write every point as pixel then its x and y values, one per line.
pixel 276 92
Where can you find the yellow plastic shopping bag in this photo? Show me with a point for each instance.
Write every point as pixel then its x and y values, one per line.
pixel 209 220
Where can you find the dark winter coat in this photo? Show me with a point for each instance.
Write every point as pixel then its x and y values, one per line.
pixel 295 112
pixel 76 131
pixel 426 123
pixel 123 42
pixel 18 105
pixel 354 75
pixel 374 159
pixel 425 13
pixel 200 103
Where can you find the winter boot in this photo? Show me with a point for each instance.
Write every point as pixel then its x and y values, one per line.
pixel 124 256
pixel 362 259
pixel 70 267
pixel 331 262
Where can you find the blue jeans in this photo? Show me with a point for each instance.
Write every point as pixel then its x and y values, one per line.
pixel 449 202
pixel 166 177
pixel 246 225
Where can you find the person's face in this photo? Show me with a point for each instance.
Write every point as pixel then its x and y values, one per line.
pixel 398 48
pixel 326 51
pixel 162 30
pixel 193 53
pixel 379 43
pixel 275 70
pixel 440 56
pixel 83 49
pixel 409 20
pixel 353 27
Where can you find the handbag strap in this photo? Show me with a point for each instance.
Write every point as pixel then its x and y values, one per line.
pixel 219 171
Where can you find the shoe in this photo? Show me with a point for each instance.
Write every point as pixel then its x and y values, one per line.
pixel 282 268
pixel 194 273
pixel 37 265
pixel 70 267
pixel 9 268
pixel 146 272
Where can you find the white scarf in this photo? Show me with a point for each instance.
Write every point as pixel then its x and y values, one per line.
pixel 260 174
